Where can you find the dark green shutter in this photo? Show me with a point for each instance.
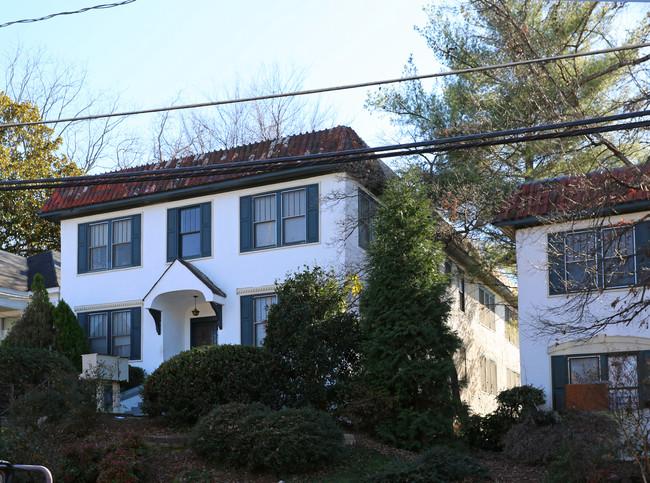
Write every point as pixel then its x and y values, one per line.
pixel 136 231
pixel 642 241
pixel 245 224
pixel 556 272
pixel 172 234
pixel 247 320
pixel 362 219
pixel 136 334
pixel 644 379
pixel 559 379
pixel 312 213
pixel 82 248
pixel 83 321
pixel 206 229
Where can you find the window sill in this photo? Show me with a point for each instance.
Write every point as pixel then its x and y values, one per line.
pixel 108 270
pixel 283 247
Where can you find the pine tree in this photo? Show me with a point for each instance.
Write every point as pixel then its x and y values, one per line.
pixel 69 338
pixel 34 328
pixel 409 346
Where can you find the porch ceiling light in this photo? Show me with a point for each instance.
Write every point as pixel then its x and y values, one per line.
pixel 195 312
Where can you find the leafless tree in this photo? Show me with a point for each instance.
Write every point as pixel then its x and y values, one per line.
pixel 60 90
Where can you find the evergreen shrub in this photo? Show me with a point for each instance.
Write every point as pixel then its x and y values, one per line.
pixel 70 339
pixel 281 442
pixel 190 384
pixel 437 464
pixel 26 367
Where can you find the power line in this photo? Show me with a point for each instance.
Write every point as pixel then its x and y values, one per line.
pixel 277 164
pixel 327 89
pixel 47 17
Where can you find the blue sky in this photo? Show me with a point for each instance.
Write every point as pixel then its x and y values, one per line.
pixel 150 50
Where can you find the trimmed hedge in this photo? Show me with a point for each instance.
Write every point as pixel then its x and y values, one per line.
pixel 281 442
pixel 26 367
pixel 192 383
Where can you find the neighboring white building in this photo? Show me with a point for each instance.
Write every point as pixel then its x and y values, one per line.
pixel 155 267
pixel 16 276
pixel 582 243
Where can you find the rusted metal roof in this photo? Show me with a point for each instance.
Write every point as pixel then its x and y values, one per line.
pixel 337 139
pixel 621 190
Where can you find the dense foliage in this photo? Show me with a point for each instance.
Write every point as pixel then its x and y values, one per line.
pixel 312 330
pixel 24 367
pixel 190 384
pixel 70 339
pixel 28 152
pixel 408 345
pixel 472 183
pixel 513 406
pixel 281 442
pixel 437 464
pixel 34 328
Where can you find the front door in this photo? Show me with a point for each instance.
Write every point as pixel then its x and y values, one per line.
pixel 203 331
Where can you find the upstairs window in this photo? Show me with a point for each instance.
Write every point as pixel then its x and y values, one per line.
pixel 598 258
pixel 109 244
pixel 367 208
pixel 486 300
pixel 189 232
pixel 280 218
pixel 512 326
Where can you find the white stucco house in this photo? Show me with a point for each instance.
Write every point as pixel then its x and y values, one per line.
pixel 155 266
pixel 583 261
pixel 16 276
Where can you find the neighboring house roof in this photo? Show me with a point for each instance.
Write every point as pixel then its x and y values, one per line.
pixel 17 272
pixel 584 195
pixel 80 200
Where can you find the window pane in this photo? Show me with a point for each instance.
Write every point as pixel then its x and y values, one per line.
pixel 262 305
pixel 260 334
pixel 122 255
pixel 98 258
pixel 122 231
pixel 294 229
pixel 584 370
pixel 618 259
pixel 190 220
pixel 190 245
pixel 97 337
pixel 98 235
pixel 265 234
pixel 264 208
pixel 293 203
pixel 623 381
pixel 121 334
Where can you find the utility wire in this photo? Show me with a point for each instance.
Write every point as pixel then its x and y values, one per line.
pixel 327 89
pixel 47 17
pixel 341 157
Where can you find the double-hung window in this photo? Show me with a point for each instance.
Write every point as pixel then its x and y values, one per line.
pixel 488 375
pixel 189 232
pixel 279 218
pixel 367 208
pixel 609 257
pixel 109 244
pixel 486 300
pixel 113 332
pixel 254 313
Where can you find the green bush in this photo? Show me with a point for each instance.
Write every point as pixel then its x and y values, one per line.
pixel 25 367
pixel 281 442
pixel 209 440
pixel 189 385
pixel 312 329
pixel 364 409
pixel 513 405
pixel 123 462
pixel 70 339
pixel 438 464
pixel 137 375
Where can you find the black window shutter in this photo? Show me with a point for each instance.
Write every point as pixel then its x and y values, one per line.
pixel 136 334
pixel 247 320
pixel 82 248
pixel 556 273
pixel 172 234
pixel 559 379
pixel 206 229
pixel 245 224
pixel 642 241
pixel 644 379
pixel 83 321
pixel 362 219
pixel 312 213
pixel 136 231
